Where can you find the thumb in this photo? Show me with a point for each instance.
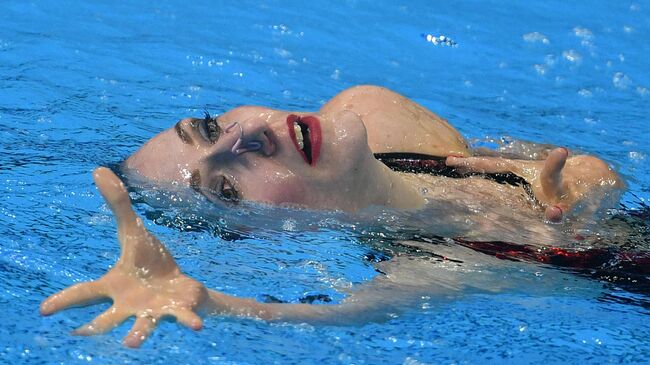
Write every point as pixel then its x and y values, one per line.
pixel 551 176
pixel 115 194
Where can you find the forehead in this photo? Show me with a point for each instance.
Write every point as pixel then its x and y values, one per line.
pixel 244 112
pixel 164 158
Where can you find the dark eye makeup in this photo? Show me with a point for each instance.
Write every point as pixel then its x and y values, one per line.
pixel 224 190
pixel 211 127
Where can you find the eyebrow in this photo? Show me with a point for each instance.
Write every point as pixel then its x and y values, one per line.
pixel 185 138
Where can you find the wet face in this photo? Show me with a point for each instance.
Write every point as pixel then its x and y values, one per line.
pixel 264 155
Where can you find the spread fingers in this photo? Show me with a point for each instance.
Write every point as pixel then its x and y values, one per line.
pixel 76 295
pixel 142 328
pixel 188 319
pixel 103 323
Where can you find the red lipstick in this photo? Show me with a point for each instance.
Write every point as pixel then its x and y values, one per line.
pixel 311 136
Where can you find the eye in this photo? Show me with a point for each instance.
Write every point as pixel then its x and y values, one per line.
pixel 212 129
pixel 227 191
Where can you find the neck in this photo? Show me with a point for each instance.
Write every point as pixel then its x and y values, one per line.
pixel 388 188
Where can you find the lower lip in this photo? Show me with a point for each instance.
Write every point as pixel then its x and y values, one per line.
pixel 315 136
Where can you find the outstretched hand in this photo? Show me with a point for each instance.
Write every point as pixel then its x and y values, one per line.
pixel 559 182
pixel 145 282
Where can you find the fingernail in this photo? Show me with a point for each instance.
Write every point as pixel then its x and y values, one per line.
pixel 551 215
pixel 565 150
pixel 131 342
pixel 197 325
pixel 45 309
pixel 134 340
pixel 82 331
pixel 457 156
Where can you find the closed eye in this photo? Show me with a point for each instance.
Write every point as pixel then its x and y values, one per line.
pixel 212 128
pixel 207 128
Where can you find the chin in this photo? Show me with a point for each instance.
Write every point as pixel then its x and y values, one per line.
pixel 349 142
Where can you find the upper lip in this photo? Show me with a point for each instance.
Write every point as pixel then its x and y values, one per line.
pixel 311 132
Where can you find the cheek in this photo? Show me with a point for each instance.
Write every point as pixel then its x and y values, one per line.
pixel 278 190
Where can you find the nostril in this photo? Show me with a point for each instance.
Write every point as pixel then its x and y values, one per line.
pixel 248 147
pixel 240 146
pixel 269 146
pixel 251 139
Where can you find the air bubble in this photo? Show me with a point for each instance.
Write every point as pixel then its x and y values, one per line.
pixel 621 81
pixel 572 56
pixel 440 40
pixel 535 37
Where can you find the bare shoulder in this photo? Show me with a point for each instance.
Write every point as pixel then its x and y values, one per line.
pixel 591 168
pixel 398 124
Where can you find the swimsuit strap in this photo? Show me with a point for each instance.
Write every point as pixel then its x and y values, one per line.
pixel 416 163
pixel 419 163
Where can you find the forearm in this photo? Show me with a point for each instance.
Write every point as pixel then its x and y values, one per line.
pixel 347 312
pixel 400 287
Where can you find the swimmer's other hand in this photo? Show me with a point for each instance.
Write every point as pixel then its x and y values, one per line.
pixel 559 182
pixel 145 283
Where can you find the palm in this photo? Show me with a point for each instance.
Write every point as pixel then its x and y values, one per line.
pixel 145 282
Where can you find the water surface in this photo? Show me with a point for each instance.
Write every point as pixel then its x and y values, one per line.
pixel 85 83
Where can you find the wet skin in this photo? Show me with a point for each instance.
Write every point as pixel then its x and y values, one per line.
pixel 355 124
pixel 146 281
pixel 345 176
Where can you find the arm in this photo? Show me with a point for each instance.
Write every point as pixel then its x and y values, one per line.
pixel 402 282
pixel 559 183
pixel 147 283
pixel 397 124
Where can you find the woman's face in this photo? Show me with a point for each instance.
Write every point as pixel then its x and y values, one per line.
pixel 269 156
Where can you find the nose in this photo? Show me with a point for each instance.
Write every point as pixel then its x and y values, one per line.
pixel 252 135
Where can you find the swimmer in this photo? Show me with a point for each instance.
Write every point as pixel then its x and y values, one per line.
pixel 325 160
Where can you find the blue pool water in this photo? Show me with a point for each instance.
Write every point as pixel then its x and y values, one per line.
pixel 85 83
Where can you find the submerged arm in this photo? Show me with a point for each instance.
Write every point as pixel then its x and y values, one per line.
pixel 402 282
pixel 147 283
pixel 560 183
